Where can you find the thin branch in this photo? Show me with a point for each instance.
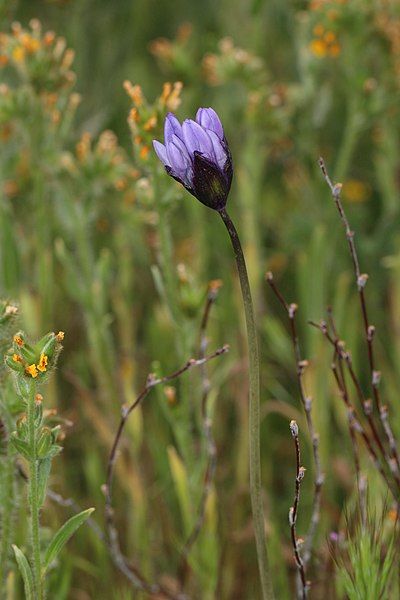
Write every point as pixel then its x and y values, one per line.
pixel 306 401
pixel 300 471
pixel 354 420
pixel 132 573
pixel 212 294
pixel 366 404
pixel 369 330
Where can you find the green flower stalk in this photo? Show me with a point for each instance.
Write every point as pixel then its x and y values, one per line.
pixel 197 155
pixel 30 365
pixel 35 440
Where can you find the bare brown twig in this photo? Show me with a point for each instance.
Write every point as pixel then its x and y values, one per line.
pixel 355 423
pixel 369 330
pixel 306 401
pixel 131 572
pixel 300 471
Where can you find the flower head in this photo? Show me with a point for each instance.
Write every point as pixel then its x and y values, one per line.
pixel 197 155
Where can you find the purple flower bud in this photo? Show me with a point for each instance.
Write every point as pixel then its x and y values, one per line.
pixel 197 155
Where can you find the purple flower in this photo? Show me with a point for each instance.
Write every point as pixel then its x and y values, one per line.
pixel 197 155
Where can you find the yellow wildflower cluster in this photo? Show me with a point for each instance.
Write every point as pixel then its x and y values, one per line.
pixel 37 53
pixel 20 43
pixel 144 117
pixel 324 43
pixel 34 369
pixel 104 158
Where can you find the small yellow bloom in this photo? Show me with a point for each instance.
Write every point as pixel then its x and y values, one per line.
pixel 134 92
pixel 329 37
pixel 18 54
pixel 134 115
pixel 49 38
pixel 167 89
pixel 318 48
pixel 42 363
pixel 150 123
pixel 16 358
pixel 30 43
pixel 318 30
pixel 144 152
pixel 32 371
pixel 334 50
pixel 18 340
pixel 60 336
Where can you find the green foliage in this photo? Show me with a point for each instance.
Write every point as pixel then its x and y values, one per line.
pixel 366 560
pixel 96 239
pixel 25 571
pixel 62 536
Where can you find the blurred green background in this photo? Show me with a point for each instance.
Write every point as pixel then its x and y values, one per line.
pixel 97 241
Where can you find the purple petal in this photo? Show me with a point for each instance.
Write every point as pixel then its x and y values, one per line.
pixel 196 139
pixel 182 148
pixel 172 127
pixel 219 151
pixel 208 118
pixel 161 152
pixel 177 161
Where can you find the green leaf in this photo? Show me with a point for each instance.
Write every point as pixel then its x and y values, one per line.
pixel 63 535
pixel 43 475
pixel 21 446
pixel 25 571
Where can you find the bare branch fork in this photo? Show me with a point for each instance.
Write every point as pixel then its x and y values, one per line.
pixel 132 573
pixel 300 472
pixel 301 365
pixel 369 330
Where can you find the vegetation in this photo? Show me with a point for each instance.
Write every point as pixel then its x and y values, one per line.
pixel 148 405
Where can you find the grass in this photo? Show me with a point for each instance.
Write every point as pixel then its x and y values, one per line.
pixel 97 241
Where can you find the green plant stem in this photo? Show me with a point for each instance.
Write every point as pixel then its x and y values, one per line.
pixel 254 411
pixel 33 495
pixel 7 511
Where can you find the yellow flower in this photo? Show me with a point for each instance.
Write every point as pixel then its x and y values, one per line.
pixel 334 50
pixel 60 336
pixel 329 37
pixel 134 92
pixel 42 363
pixel 150 123
pixel 144 152
pixel 32 371
pixel 18 54
pixel 18 340
pixel 318 29
pixel 30 43
pixel 318 48
pixel 16 358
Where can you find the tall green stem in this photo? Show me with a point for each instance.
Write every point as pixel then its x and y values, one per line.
pixel 34 496
pixel 7 511
pixel 254 411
